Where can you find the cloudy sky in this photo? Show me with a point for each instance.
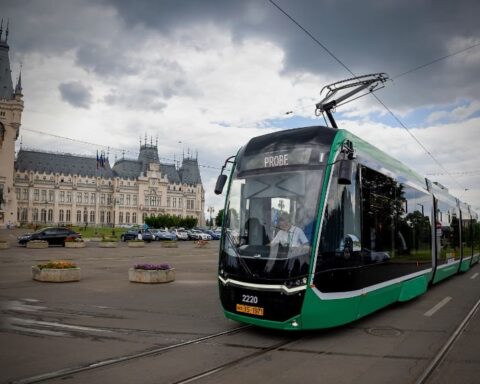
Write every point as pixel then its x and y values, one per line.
pixel 205 76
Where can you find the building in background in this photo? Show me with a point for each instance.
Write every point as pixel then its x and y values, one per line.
pixel 54 188
pixel 51 188
pixel 11 108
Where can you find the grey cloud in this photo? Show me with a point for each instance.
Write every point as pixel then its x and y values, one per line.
pixel 368 36
pixel 76 94
pixel 107 62
pixel 144 100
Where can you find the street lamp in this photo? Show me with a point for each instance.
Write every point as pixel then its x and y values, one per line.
pixel 115 202
pixel 46 209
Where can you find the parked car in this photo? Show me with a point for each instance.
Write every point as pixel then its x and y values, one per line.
pixel 180 233
pixel 162 234
pixel 54 236
pixel 195 234
pixel 213 234
pixel 132 234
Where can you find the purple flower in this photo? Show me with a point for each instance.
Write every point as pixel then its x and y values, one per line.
pixel 153 267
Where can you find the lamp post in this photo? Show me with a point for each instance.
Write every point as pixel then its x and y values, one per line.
pixel 115 202
pixel 46 210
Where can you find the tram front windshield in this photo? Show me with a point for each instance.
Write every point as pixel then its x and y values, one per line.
pixel 269 224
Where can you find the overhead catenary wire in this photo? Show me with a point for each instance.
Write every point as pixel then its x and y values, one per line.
pixel 376 97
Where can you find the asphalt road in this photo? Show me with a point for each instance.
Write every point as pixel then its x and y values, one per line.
pixel 45 328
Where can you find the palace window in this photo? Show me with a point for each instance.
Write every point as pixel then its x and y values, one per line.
pixel 79 199
pixel 17 193
pixel 135 200
pixel 92 216
pixel 92 198
pixel 134 218
pixel 44 195
pixel 36 195
pixel 62 197
pixel 51 195
pixel 68 218
pixel 120 217
pixel 102 199
pixel 109 217
pixel 61 215
pixel 102 217
pixel 69 197
pixel 79 215
pixel 127 218
pixel 35 214
pixel 122 199
pixel 25 194
pixel 128 199
pixel 50 215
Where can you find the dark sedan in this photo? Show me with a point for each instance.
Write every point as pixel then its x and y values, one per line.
pixel 54 236
pixel 132 234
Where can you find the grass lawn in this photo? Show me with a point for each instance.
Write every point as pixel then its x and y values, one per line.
pixel 99 231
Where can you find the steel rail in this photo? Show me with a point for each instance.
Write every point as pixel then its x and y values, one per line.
pixel 442 353
pixel 120 359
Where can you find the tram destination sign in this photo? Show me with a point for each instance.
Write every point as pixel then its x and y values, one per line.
pixel 285 158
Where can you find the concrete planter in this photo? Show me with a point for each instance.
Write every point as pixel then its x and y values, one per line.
pixel 95 239
pixel 151 277
pixel 74 244
pixel 37 244
pixel 169 244
pixel 4 244
pixel 55 275
pixel 107 244
pixel 136 244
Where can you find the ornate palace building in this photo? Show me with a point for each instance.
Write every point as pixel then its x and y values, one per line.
pixel 51 188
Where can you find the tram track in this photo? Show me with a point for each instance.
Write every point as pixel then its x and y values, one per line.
pixel 440 357
pixel 121 359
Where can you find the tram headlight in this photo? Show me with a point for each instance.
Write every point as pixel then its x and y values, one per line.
pixel 296 282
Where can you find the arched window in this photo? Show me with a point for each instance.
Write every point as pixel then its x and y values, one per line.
pixel 50 215
pixel 68 218
pixel 134 218
pixel 92 216
pixel 109 217
pixel 102 217
pixel 35 214
pixel 61 216
pixel 127 218
pixel 43 215
pixel 79 216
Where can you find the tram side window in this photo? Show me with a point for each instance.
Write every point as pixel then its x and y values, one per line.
pixel 476 236
pixel 447 233
pixel 380 205
pixel 467 235
pixel 414 228
pixel 340 238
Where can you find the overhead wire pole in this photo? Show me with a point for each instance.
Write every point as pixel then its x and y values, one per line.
pixel 376 97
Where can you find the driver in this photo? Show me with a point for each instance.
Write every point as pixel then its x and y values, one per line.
pixel 289 235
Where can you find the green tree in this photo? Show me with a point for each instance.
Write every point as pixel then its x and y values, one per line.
pixel 219 218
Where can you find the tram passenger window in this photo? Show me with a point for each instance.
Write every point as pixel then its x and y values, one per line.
pixel 379 205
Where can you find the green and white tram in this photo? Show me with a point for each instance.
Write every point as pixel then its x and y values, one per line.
pixel 321 228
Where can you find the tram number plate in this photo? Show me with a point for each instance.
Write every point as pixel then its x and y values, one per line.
pixel 250 309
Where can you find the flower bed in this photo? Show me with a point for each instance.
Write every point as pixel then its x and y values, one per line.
pixel 151 273
pixel 71 242
pixel 169 244
pixel 37 244
pixel 4 244
pixel 56 272
pixel 201 243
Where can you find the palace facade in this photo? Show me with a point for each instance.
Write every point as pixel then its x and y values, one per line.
pixel 51 188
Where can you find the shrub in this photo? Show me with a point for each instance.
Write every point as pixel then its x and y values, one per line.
pixel 57 264
pixel 153 267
